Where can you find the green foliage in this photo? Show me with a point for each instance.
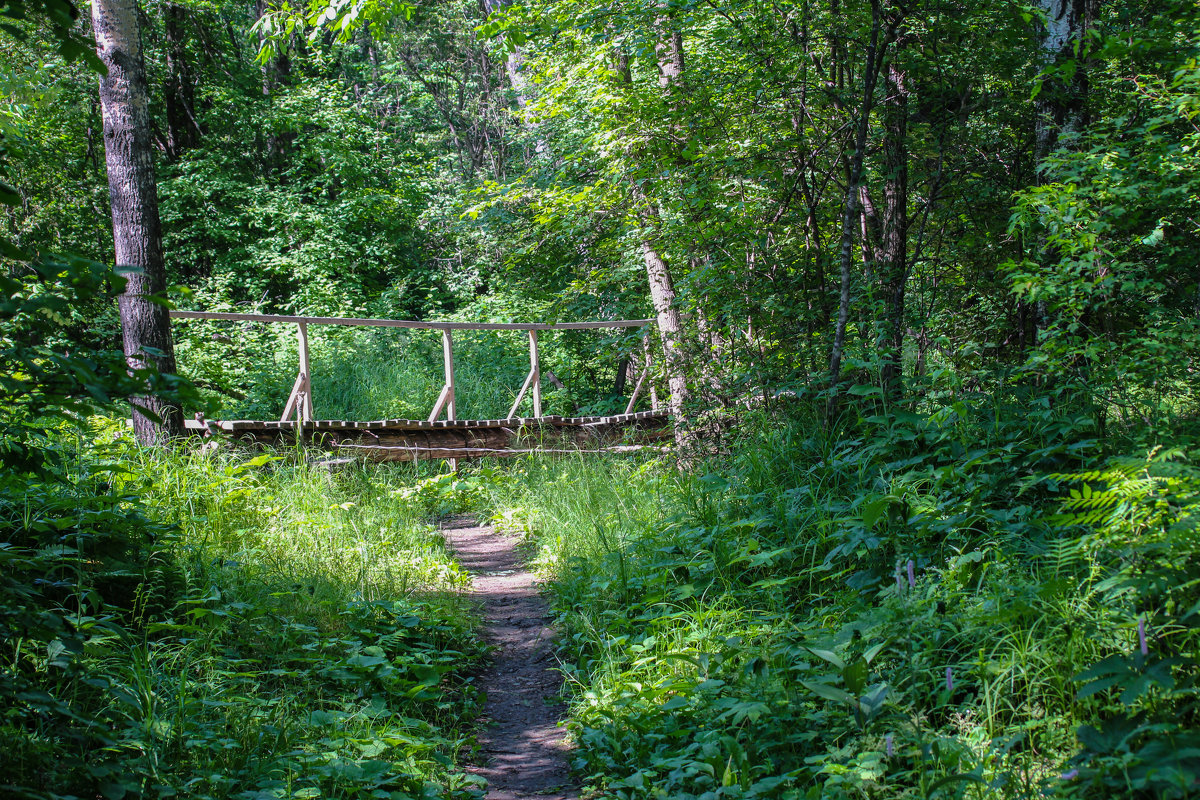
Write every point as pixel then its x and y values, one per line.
pixel 1116 213
pixel 953 592
pixel 272 632
pixel 46 376
pixel 1141 519
pixel 755 632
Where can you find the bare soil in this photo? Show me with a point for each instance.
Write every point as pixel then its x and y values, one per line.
pixel 524 753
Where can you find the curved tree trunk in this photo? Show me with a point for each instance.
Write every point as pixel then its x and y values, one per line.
pixel 669 52
pixel 893 252
pixel 850 211
pixel 137 231
pixel 670 328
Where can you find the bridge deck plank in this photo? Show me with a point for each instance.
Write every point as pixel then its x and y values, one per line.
pixel 240 425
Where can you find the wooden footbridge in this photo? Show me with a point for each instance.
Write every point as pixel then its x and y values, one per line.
pixel 434 437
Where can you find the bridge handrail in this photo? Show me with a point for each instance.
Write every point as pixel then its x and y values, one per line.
pixel 300 400
pixel 405 323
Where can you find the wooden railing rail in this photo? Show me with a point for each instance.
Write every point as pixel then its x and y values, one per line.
pixel 407 323
pixel 300 402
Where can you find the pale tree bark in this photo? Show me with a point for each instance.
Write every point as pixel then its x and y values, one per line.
pixel 892 267
pixel 670 328
pixel 669 51
pixel 850 208
pixel 137 231
pixel 1059 106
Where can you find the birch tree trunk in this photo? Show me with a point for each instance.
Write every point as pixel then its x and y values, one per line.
pixel 133 195
pixel 669 51
pixel 850 210
pixel 893 251
pixel 1059 106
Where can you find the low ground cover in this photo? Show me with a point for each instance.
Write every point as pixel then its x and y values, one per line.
pixel 925 609
pixel 211 624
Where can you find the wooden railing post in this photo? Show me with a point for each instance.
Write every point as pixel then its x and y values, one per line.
pixel 535 371
pixel 446 398
pixel 300 400
pixel 448 358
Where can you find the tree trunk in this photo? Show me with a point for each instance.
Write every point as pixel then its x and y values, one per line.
pixel 133 196
pixel 662 295
pixel 1059 105
pixel 183 131
pixel 658 274
pixel 893 251
pixel 850 211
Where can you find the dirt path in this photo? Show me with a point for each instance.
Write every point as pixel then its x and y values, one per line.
pixel 524 755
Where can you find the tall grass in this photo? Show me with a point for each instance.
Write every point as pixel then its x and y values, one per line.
pixel 751 630
pixel 281 631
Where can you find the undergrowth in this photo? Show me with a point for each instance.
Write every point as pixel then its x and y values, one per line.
pixel 209 625
pixel 925 606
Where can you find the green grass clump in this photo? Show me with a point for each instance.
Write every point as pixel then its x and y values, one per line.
pixel 207 624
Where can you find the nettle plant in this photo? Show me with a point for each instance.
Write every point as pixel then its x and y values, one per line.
pixel 1141 518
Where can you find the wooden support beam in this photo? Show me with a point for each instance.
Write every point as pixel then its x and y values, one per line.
pixel 440 404
pixel 448 358
pixel 512 412
pixel 637 389
pixel 293 401
pixel 446 398
pixel 299 402
pixel 535 371
pixel 306 411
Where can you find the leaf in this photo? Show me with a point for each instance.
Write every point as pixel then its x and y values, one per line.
pixel 855 676
pixel 864 390
pixel 675 703
pixel 875 509
pixel 1095 687
pixel 873 651
pixel 828 692
pixel 828 656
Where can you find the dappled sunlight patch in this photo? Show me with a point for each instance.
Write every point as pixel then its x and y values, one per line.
pixel 285 633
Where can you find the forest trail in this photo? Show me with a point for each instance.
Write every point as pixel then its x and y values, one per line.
pixel 524 755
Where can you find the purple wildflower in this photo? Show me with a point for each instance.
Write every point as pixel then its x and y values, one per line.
pixel 1142 636
pixel 899 582
pixel 912 581
pixel 949 679
pixel 890 749
pixel 1071 775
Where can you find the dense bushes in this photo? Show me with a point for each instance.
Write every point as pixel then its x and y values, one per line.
pixel 199 623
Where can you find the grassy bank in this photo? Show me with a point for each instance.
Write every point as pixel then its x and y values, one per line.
pixel 920 606
pixel 203 624
pixel 923 609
